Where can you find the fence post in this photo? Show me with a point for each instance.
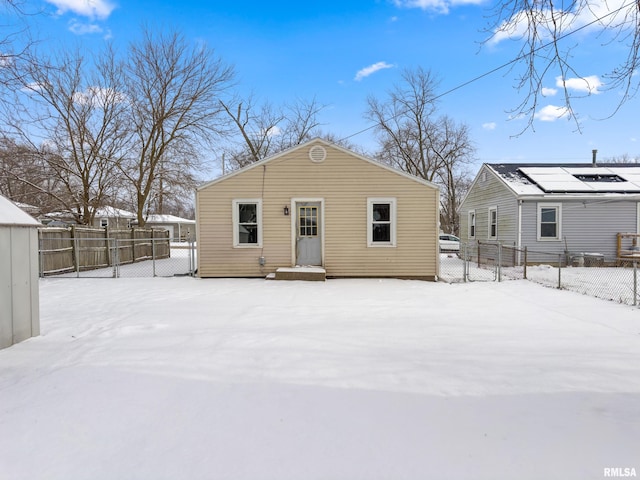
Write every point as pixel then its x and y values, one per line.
pixel 525 262
pixel 133 245
pixel 465 263
pixel 153 253
pixel 192 242
pixel 635 283
pixel 40 254
pixel 108 245
pixel 76 252
pixel 499 262
pixel 559 271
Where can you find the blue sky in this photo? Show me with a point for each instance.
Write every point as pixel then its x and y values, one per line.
pixel 341 51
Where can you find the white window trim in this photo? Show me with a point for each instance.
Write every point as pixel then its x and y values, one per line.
pixel 236 219
pixel 489 236
pixel 104 222
pixel 469 223
pixel 393 204
pixel 540 206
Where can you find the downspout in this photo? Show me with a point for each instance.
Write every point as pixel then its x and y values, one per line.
pixel 519 240
pixel 437 235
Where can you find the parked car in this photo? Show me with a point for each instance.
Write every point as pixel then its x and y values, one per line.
pixel 449 243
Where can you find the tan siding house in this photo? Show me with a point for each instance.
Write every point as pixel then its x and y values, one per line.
pixel 318 204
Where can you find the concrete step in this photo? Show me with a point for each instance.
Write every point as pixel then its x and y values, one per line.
pixel 317 274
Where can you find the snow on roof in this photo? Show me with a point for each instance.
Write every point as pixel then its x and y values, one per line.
pixel 541 179
pixel 109 211
pixel 156 218
pixel 10 214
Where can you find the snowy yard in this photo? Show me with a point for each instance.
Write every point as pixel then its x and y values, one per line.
pixel 609 283
pixel 167 378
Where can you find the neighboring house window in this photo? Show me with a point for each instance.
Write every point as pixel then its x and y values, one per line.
pixel 493 223
pixel 549 226
pixel 104 222
pixel 381 219
pixel 472 224
pixel 129 223
pixel 247 223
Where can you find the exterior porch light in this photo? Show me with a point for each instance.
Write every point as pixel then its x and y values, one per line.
pixel 285 210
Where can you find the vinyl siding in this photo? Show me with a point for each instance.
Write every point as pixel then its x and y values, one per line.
pixel 483 195
pixel 344 182
pixel 589 226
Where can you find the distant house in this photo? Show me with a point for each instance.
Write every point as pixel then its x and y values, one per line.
pixel 19 295
pixel 318 205
pixel 180 229
pixel 556 208
pixel 113 218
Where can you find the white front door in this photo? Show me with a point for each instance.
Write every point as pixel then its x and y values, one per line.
pixel 308 233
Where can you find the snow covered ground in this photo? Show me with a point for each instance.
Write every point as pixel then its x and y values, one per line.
pixel 167 378
pixel 609 283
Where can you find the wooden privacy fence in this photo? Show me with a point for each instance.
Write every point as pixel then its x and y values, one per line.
pixel 79 248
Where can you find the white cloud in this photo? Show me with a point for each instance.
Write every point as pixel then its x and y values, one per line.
pixel 489 126
pixel 273 131
pixel 440 6
pixel 588 84
pixel 33 87
pixel 590 18
pixel 549 92
pixel 371 69
pixel 80 28
pixel 551 113
pixel 99 97
pixel 84 8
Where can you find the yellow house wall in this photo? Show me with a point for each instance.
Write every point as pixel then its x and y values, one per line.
pixel 344 182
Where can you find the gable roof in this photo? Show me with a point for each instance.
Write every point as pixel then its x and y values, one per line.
pixel 584 179
pixel 11 215
pixel 110 211
pixel 321 141
pixel 165 218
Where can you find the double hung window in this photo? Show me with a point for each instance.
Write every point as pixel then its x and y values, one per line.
pixel 247 223
pixel 381 219
pixel 493 223
pixel 549 221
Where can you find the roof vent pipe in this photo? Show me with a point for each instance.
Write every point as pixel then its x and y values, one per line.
pixel 594 153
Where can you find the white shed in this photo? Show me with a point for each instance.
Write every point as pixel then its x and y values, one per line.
pixel 19 298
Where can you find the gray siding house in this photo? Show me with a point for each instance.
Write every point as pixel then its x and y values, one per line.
pixel 554 208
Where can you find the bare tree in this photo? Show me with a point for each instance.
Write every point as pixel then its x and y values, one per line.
pixel 25 177
pixel 544 29
pixel 69 111
pixel 174 93
pixel 301 122
pixel 257 126
pixel 624 158
pixel 266 130
pixel 414 139
pixel 15 35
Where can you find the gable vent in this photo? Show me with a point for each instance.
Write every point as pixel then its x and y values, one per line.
pixel 317 154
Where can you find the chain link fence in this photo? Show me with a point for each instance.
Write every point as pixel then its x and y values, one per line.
pixel 591 274
pixel 97 253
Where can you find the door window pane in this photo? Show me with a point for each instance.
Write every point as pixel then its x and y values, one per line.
pixel 308 221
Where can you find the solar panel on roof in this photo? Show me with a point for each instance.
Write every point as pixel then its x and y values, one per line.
pixel 581 179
